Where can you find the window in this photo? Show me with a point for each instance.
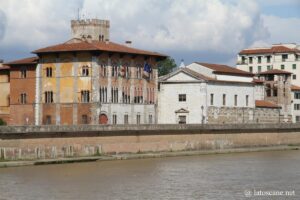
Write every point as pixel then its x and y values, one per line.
pixel 297 95
pixel 84 119
pixel 126 95
pixel 268 67
pixel 103 70
pixel 251 69
pixel 250 60
pixel 243 60
pixel 48 97
pixel 258 59
pixel 103 94
pixel 247 100
pixel 85 71
pixel 150 119
pixel 182 97
pixel 139 71
pixel 114 119
pixel 296 106
pixel 138 119
pixel 114 70
pixel 126 119
pixel 296 57
pixel 224 99
pixel 235 100
pixel 211 99
pixel 23 98
pixel 85 96
pixel 284 57
pixel 294 66
pixel 23 73
pixel 182 119
pixel 282 67
pixel 48 120
pixel 49 71
pixel 297 118
pixel 294 76
pixel 114 95
pixel 138 95
pixel 259 68
pixel 269 59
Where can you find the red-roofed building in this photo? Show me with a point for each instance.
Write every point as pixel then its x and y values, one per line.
pixel 5 92
pixel 86 80
pixel 278 57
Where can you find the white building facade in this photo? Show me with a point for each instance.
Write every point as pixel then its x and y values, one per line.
pixel 279 56
pixel 189 96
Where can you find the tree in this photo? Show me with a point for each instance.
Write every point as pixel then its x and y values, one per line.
pixel 166 66
pixel 2 122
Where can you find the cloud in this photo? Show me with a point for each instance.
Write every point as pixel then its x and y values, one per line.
pixel 2 24
pixel 283 30
pixel 212 30
pixel 194 25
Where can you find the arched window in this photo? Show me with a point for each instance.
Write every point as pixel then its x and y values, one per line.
pixel 85 71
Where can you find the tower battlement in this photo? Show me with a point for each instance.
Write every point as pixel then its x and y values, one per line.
pixel 92 29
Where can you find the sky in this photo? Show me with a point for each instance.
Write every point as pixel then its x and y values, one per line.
pixel 193 30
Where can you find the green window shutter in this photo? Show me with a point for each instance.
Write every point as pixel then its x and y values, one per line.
pixel 294 66
pixel 282 66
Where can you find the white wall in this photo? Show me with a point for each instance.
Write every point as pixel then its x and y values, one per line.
pixel 234 78
pixel 169 102
pixel 201 70
pixel 218 89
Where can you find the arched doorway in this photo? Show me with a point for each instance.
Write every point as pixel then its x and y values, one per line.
pixel 103 119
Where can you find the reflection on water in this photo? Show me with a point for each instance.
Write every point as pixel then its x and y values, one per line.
pixel 196 177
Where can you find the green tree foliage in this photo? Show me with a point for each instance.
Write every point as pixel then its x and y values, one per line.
pixel 2 122
pixel 166 66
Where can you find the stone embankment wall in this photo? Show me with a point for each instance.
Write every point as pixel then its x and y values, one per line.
pixel 42 142
pixel 227 115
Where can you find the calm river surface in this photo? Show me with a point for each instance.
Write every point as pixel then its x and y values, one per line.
pixel 221 177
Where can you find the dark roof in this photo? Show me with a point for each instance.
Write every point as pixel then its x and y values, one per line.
pixel 274 71
pixel 224 69
pixel 295 87
pixel 26 61
pixel 95 46
pixel 272 50
pixel 265 104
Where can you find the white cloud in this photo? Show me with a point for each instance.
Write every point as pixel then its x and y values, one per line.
pixel 283 30
pixel 192 25
pixel 223 27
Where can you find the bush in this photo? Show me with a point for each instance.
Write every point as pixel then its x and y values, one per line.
pixel 2 122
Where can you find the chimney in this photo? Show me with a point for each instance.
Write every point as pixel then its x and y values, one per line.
pixel 128 43
pixel 107 41
pixel 1 62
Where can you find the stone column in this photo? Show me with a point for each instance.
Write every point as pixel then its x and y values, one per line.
pixel 75 90
pixel 95 88
pixel 57 103
pixel 38 92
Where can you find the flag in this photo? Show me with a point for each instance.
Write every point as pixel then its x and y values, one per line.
pixel 147 70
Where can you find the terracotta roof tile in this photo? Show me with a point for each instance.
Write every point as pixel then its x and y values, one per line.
pixel 95 46
pixel 224 69
pixel 272 50
pixel 265 104
pixel 295 87
pixel 274 71
pixel 30 60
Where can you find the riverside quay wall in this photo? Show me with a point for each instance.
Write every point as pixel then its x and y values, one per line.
pixel 51 142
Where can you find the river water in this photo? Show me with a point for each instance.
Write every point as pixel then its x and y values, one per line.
pixel 227 176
